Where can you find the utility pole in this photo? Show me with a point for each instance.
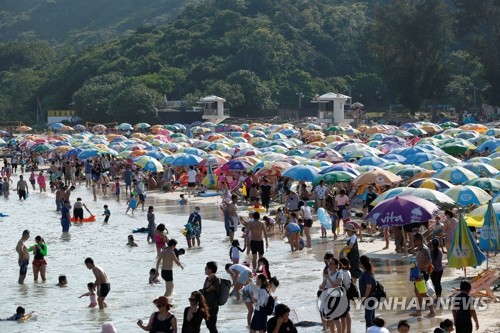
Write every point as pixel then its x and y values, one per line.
pixel 300 99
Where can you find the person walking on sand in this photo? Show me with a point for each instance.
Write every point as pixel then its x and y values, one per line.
pixel 101 282
pixel 23 256
pixel 423 261
pixel 167 257
pixel 257 229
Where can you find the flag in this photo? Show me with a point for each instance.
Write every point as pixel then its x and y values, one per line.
pixel 490 236
pixel 464 251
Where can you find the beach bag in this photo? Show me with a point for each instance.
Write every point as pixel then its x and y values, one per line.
pixel 379 292
pixel 352 292
pixel 269 307
pixel 430 288
pixel 223 293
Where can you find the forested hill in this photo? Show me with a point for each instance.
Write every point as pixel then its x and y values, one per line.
pixel 81 22
pixel 263 54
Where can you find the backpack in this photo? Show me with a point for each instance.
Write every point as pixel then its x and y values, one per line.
pixel 223 292
pixel 352 292
pixel 269 307
pixel 379 292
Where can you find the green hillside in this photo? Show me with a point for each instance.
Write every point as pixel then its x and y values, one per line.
pixel 263 54
pixel 81 23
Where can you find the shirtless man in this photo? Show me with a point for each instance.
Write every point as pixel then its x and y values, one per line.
pixel 24 256
pixel 168 257
pixel 257 228
pixel 101 282
pixel 22 188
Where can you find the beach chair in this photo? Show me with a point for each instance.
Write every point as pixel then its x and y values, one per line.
pixel 481 285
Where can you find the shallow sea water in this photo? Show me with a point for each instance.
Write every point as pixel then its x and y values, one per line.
pixel 60 309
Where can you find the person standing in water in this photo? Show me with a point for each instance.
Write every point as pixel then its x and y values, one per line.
pixel 22 188
pixel 167 257
pixel 195 230
pixel 257 228
pixel 101 282
pixel 24 256
pixel 39 253
pixel 151 224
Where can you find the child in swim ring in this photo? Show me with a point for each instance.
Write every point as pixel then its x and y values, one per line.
pixel 91 293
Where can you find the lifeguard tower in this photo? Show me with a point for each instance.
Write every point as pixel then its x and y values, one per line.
pixel 213 109
pixel 331 108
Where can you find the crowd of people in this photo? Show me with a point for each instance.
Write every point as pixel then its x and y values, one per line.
pixel 288 207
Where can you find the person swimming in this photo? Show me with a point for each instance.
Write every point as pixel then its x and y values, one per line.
pixel 20 313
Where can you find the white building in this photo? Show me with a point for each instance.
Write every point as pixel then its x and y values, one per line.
pixel 213 109
pixel 331 108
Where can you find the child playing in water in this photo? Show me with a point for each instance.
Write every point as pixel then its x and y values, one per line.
pixel 91 293
pixel 280 219
pixel 107 213
pixel 131 241
pixel 154 277
pixel 183 201
pixel 131 203
pixel 63 281
pixel 234 252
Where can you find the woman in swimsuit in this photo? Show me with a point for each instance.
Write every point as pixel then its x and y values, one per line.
pixel 160 238
pixel 39 263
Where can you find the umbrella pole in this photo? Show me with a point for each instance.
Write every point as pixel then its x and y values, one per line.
pixel 487 258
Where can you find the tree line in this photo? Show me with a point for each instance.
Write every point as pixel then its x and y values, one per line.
pixel 261 54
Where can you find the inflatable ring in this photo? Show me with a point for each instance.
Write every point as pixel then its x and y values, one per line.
pixel 260 209
pixel 324 218
pixel 91 218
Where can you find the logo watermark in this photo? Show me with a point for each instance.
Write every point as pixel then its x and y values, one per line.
pixel 333 303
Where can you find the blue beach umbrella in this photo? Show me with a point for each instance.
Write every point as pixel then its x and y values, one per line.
pixel 332 168
pixel 394 158
pixel 88 153
pixel 490 235
pixel 466 195
pixel 372 160
pixel 419 158
pixel 302 172
pixel 125 127
pixel 56 126
pixel 185 160
pixel 159 155
pixel 455 175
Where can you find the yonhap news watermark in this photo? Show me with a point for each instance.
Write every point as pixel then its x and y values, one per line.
pixel 333 303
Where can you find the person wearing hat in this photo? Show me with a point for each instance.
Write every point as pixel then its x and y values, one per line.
pixel 352 252
pixel 161 320
pixel 108 327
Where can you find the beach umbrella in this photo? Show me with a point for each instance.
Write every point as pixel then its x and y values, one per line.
pixel 338 167
pixel 409 171
pixel 312 127
pixel 433 165
pixel 88 153
pixel 394 158
pixel 466 195
pixel 455 175
pixel 125 127
pixel 449 124
pixel 491 144
pixel 289 132
pixel 236 165
pixel 450 160
pixel 480 128
pixel 490 236
pixel 335 128
pixel 43 147
pixel 272 169
pixel 417 131
pixel 335 177
pixel 56 126
pixel 481 169
pixel 148 163
pixel 403 210
pixel 80 127
pixel 464 251
pixel 302 172
pixel 480 159
pixel 378 177
pixel 212 160
pixel 23 128
pixel 476 217
pixel 493 132
pixel 420 158
pixel 183 159
pixel 495 162
pixel 200 130
pixel 157 154
pixel 431 183
pixel 372 160
pixel 436 197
